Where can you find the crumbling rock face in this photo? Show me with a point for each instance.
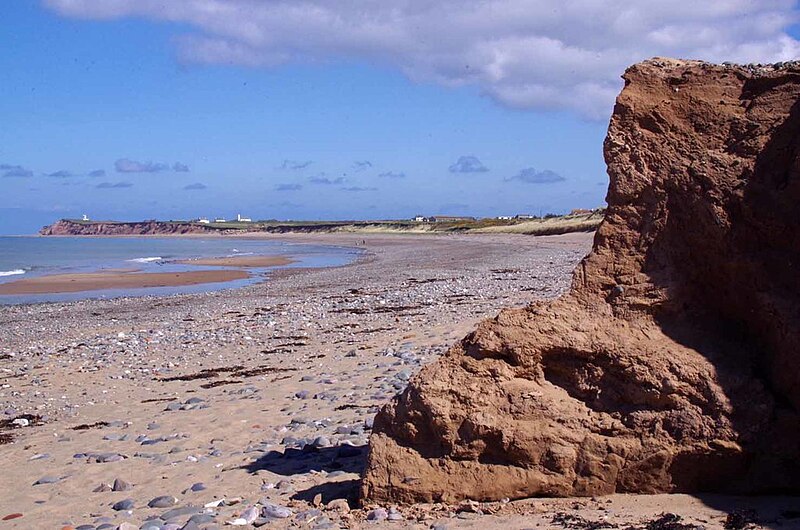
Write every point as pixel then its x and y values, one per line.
pixel 672 364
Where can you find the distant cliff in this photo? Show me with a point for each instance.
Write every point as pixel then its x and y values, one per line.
pixel 66 227
pixel 575 222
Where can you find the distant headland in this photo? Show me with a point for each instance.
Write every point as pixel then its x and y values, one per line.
pixel 575 221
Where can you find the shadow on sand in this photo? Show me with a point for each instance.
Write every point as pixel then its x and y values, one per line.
pixel 344 459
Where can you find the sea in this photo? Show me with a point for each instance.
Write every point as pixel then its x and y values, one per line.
pixel 25 257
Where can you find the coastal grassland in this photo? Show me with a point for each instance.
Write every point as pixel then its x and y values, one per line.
pixel 547 225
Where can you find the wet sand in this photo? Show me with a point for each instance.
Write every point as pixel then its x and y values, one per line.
pixel 92 281
pixel 240 261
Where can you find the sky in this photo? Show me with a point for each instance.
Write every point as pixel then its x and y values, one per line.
pixel 333 109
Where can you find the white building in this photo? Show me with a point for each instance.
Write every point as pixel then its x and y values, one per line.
pixel 203 220
pixel 220 220
pixel 241 219
pixel 85 217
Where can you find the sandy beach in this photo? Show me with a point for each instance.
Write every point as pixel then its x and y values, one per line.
pixel 72 283
pixel 184 411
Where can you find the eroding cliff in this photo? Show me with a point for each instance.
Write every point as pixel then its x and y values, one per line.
pixel 673 362
pixel 66 227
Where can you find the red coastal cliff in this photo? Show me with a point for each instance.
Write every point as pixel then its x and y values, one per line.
pixel 674 362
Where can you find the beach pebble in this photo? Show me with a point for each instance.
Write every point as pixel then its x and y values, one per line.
pixel 163 501
pixel 46 480
pixel 201 518
pixel 178 512
pixel 378 514
pixel 125 504
pixel 246 517
pixel 275 511
pixel 120 485
pixel 394 515
pixel 321 441
pixel 338 505
pixel 102 488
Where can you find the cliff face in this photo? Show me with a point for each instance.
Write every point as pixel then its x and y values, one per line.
pixel 672 364
pixel 66 227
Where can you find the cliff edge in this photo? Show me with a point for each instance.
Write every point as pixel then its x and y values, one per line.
pixel 673 362
pixel 67 227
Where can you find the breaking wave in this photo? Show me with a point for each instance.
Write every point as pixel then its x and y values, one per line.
pixel 149 259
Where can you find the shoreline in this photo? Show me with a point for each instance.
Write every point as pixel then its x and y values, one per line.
pixel 102 280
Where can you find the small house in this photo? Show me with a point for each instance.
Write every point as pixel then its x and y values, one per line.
pixel 241 219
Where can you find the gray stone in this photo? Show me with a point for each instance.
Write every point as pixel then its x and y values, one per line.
pixel 201 518
pixel 275 511
pixel 120 485
pixel 378 514
pixel 163 501
pixel 321 441
pixel 178 512
pixel 46 480
pixel 125 504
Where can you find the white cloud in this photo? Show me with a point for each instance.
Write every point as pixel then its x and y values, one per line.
pixel 541 54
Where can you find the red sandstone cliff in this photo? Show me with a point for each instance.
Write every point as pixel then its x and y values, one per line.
pixel 672 364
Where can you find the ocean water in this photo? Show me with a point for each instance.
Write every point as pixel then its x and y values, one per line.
pixel 25 257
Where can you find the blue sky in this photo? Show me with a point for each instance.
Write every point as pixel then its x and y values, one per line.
pixel 178 112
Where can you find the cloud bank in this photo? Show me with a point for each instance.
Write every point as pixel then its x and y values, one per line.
pixel 125 165
pixel 288 187
pixel 468 164
pixel 392 175
pixel 294 164
pixel 114 185
pixel 326 181
pixel 533 54
pixel 8 170
pixel 531 176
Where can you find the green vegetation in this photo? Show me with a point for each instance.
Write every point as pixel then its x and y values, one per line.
pixel 548 225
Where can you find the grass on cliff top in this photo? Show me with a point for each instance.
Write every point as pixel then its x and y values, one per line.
pixel 548 225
